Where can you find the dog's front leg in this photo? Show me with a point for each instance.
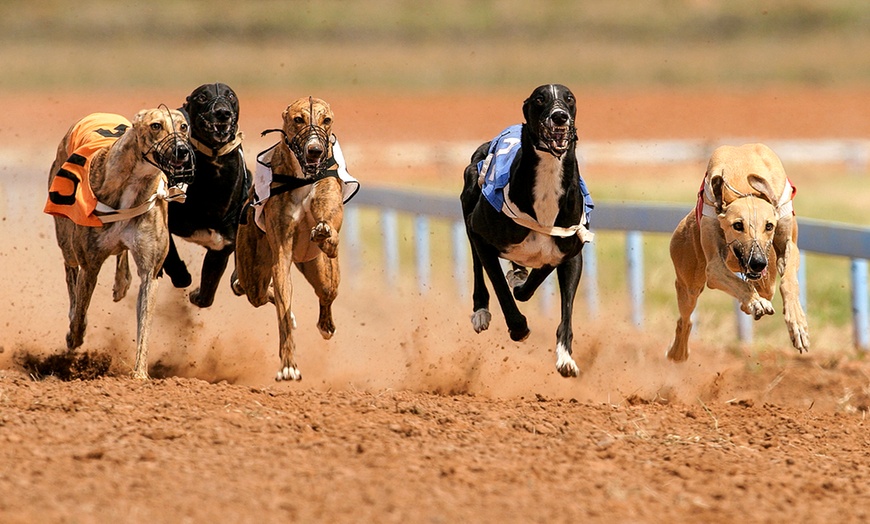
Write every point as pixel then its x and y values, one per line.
pixel 569 278
pixel 175 267
pixel 323 274
pixel 328 212
pixel 788 264
pixel 518 326
pixel 280 237
pixel 720 277
pixel 213 266
pixel 144 315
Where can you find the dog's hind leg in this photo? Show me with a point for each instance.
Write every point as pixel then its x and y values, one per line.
pixel 175 267
pixel 324 276
pixel 213 266
pixel 569 278
pixel 122 277
pixel 253 263
pixel 518 326
pixel 690 268
pixel 481 317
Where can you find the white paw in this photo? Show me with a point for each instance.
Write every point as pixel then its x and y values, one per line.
pixel 480 320
pixel 288 373
pixel 292 320
pixel 759 307
pixel 564 363
pixel 516 277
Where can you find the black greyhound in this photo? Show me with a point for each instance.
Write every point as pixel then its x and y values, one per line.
pixel 210 214
pixel 524 200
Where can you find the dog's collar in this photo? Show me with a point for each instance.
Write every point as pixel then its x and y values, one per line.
pixel 213 153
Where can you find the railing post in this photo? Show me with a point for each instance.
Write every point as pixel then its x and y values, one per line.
pixel 390 232
pixel 421 252
pixel 860 323
pixel 460 258
pixel 590 278
pixel 744 324
pixel 634 257
pixel 351 229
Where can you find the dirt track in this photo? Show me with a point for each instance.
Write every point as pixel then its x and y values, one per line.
pixel 406 415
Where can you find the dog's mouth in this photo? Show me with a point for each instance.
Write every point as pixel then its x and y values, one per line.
pixel 556 139
pixel 218 131
pixel 174 156
pixel 753 262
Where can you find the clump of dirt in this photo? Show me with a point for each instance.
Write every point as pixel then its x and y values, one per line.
pixel 70 365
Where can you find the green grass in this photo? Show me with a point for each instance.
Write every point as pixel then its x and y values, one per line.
pixel 433 45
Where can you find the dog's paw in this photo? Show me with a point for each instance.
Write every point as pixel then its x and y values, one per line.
pixel 565 364
pixel 796 322
pixel 521 333
pixel 181 280
pixel 677 354
pixel 198 299
pixel 288 373
pixel 516 276
pixel 236 286
pixel 758 307
pixel 321 234
pixel 480 320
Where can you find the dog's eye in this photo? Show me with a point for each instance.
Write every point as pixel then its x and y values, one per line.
pixel 737 226
pixel 231 96
pixel 155 126
pixel 570 100
pixel 539 100
pixel 183 127
pixel 327 121
pixel 201 98
pixel 768 227
pixel 298 120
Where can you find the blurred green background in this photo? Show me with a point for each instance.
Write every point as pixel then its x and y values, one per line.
pixel 434 45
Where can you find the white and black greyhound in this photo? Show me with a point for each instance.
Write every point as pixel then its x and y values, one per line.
pixel 524 200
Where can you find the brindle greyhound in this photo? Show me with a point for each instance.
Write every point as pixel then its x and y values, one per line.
pixel 125 173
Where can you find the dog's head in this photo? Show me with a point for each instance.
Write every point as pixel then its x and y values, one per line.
pixel 550 112
pixel 748 221
pixel 307 131
pixel 162 136
pixel 214 114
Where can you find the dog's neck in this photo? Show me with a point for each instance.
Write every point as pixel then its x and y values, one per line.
pixel 120 177
pixel 539 195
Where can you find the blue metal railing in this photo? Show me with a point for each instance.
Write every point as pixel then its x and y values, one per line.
pixel 634 219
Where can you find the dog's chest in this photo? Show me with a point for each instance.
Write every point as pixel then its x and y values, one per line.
pixel 537 249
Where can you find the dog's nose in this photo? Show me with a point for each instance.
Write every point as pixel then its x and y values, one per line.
pixel 314 149
pixel 559 117
pixel 757 263
pixel 223 115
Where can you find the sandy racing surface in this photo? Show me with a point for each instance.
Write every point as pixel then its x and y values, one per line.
pixel 406 415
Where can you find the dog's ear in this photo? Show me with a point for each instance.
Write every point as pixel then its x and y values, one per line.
pixel 526 103
pixel 717 183
pixel 139 116
pixel 762 185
